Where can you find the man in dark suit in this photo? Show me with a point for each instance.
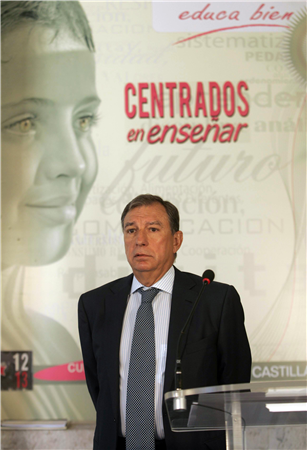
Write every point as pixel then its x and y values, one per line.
pixel 216 349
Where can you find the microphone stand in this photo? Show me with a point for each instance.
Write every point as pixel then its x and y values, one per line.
pixel 180 401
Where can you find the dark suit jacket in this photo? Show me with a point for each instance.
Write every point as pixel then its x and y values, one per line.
pixel 216 350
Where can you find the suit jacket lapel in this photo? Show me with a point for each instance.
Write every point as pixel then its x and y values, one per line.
pixel 115 308
pixel 182 301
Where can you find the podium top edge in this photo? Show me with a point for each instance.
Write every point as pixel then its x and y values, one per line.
pixel 259 386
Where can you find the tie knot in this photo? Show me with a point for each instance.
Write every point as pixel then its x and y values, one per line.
pixel 149 294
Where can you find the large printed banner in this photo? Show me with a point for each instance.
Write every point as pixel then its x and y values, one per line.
pixel 202 103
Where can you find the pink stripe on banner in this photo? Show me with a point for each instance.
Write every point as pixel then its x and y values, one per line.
pixel 73 371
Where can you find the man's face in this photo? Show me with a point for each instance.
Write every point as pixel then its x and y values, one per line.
pixel 49 104
pixel 149 243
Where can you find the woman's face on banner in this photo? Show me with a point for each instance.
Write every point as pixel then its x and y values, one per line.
pixel 49 105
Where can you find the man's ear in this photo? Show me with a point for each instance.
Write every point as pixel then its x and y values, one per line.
pixel 177 240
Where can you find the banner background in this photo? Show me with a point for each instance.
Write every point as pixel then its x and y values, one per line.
pixel 242 204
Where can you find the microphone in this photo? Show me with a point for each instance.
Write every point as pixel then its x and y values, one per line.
pixel 208 276
pixel 180 401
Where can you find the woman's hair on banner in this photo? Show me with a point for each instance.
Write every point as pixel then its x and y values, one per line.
pixel 52 14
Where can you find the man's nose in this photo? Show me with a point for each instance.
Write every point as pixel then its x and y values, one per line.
pixel 141 237
pixel 62 155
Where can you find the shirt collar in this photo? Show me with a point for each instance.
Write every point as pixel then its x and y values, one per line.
pixel 164 284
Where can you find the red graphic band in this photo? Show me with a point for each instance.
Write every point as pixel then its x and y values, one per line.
pixel 73 371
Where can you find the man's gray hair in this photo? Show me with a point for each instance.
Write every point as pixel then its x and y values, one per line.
pixel 149 199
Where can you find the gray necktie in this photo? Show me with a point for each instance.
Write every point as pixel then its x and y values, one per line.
pixel 140 406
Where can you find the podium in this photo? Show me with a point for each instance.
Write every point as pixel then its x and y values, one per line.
pixel 235 408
